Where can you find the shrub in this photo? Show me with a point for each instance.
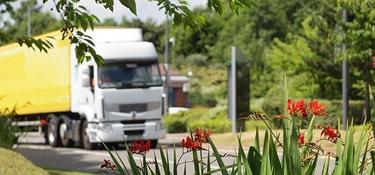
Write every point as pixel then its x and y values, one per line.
pixel 177 123
pixel 214 119
pixel 256 105
pixel 8 136
pixel 217 124
pixel 7 133
pixel 252 125
pixel 199 99
pixel 273 106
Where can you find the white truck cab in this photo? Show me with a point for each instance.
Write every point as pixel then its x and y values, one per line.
pixel 119 101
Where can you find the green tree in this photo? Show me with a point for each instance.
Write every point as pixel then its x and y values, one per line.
pixel 190 41
pixel 76 17
pixel 152 31
pixel 310 49
pixel 359 37
pixel 41 22
pixel 108 22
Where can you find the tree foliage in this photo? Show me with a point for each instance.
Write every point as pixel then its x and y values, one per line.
pixel 302 39
pixel 76 19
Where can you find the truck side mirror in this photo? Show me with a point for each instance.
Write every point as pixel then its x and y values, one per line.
pixel 87 76
pixel 86 80
pixel 85 71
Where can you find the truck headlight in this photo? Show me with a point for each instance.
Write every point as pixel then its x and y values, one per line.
pixel 105 127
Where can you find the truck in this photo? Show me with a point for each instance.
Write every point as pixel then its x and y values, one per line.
pixel 84 104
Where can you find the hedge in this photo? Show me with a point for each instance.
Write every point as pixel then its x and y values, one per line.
pixel 215 119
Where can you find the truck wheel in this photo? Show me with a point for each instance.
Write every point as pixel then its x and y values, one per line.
pixel 64 127
pixel 85 137
pixel 154 143
pixel 53 131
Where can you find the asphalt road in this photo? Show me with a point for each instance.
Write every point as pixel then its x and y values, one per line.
pixel 77 159
pixel 90 161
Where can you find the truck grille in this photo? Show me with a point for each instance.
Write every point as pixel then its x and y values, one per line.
pixel 137 107
pixel 134 132
pixel 127 122
pixel 127 108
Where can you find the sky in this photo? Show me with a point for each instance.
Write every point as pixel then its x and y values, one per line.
pixel 145 9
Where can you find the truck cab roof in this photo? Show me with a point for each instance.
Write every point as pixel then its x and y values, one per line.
pixel 137 51
pixel 122 44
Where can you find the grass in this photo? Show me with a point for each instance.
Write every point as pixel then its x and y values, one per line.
pixel 251 125
pixel 13 163
pixel 55 171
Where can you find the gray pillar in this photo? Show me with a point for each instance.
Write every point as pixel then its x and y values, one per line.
pixel 238 89
pixel 345 98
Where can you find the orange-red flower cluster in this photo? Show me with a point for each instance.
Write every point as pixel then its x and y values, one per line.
pixel 108 164
pixel 191 144
pixel 200 136
pixel 301 138
pixel 299 108
pixel 330 133
pixel 140 147
pixel 317 109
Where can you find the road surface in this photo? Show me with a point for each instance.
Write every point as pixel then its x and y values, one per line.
pixel 77 159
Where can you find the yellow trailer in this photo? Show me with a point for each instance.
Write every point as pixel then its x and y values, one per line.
pixel 35 82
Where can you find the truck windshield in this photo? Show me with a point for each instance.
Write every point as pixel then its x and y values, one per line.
pixel 129 75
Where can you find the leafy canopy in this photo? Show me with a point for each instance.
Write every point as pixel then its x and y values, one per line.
pixel 76 20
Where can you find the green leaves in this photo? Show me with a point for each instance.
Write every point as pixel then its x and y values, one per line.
pixel 218 158
pixel 254 159
pixel 118 165
pixel 131 5
pixel 42 44
pixel 234 5
pixel 76 17
pixel 84 48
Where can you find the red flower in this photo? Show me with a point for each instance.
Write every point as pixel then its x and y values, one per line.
pixel 191 144
pixel 317 108
pixel 330 133
pixel 201 135
pixel 301 138
pixel 140 147
pixel 297 108
pixel 108 164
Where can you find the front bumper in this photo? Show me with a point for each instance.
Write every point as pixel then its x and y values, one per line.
pixel 118 132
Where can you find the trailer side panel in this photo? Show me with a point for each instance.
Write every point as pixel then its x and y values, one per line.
pixel 35 82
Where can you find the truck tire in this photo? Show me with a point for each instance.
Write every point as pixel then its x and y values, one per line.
pixel 85 140
pixel 53 131
pixel 64 127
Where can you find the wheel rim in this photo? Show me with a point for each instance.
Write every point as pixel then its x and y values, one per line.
pixel 63 131
pixel 51 136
